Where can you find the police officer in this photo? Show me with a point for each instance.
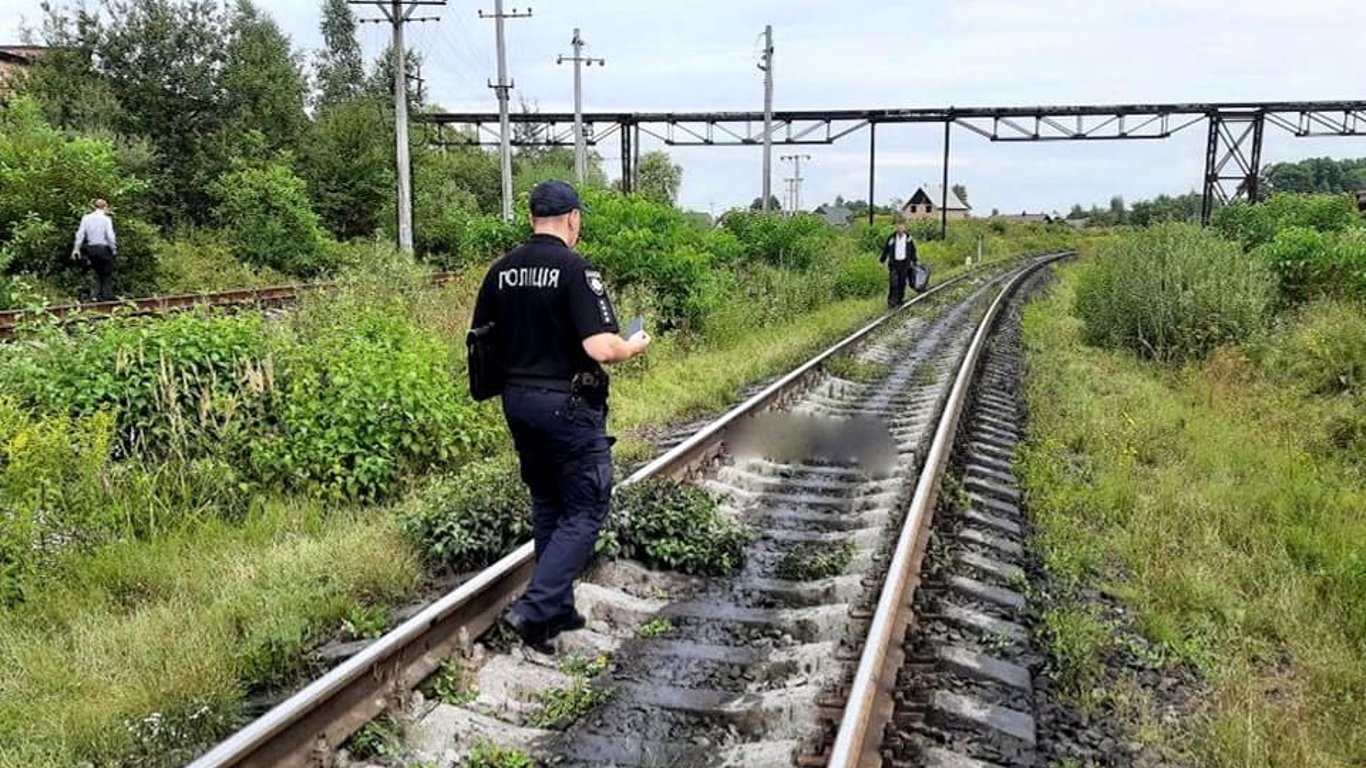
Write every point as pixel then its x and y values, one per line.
pixel 899 255
pixel 556 328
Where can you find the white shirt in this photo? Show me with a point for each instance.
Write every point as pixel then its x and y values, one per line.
pixel 96 229
pixel 900 253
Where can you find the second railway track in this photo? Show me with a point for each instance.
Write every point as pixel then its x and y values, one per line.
pixel 766 668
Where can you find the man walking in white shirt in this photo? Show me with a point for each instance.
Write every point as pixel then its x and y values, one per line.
pixel 96 242
pixel 899 256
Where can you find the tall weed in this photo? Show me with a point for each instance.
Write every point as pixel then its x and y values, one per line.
pixel 1172 292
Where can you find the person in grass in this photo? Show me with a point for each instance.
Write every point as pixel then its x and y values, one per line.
pixel 898 253
pixel 97 245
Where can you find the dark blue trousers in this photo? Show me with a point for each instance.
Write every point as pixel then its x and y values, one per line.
pixel 566 462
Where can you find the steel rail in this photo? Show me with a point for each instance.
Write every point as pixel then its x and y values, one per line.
pixel 306 727
pixel 857 737
pixel 272 296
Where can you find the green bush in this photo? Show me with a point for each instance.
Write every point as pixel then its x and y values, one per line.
pixel 265 210
pixel 1256 225
pixel 486 238
pixel 202 261
pixel 469 520
pixel 362 397
pixel 48 180
pixel 637 242
pixel 52 497
pixel 188 381
pixel 665 524
pixel 1321 348
pixel 859 277
pixel 791 242
pixel 1172 292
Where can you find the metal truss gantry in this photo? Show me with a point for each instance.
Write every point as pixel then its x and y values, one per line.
pixel 1232 159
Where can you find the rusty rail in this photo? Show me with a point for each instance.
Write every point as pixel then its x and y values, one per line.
pixel 273 296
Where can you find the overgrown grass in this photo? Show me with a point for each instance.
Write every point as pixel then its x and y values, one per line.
pixel 141 649
pixel 1204 496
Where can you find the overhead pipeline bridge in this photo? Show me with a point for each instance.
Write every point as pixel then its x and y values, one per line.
pixel 1233 148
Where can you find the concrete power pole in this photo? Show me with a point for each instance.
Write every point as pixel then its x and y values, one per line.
pixel 767 66
pixel 796 181
pixel 398 13
pixel 504 88
pixel 580 141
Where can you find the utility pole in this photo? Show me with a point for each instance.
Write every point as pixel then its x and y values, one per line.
pixel 398 13
pixel 580 141
pixel 503 88
pixel 767 66
pixel 796 181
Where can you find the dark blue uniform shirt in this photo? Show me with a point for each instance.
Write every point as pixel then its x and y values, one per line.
pixel 545 299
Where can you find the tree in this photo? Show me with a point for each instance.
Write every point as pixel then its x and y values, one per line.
pixel 773 204
pixel 961 191
pixel 1117 210
pixel 658 178
pixel 264 208
pixel 348 163
pixel 1316 175
pixel 262 80
pixel 1077 212
pixel 340 67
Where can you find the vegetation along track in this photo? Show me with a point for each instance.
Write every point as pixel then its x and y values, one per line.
pixel 748 670
pixel 276 296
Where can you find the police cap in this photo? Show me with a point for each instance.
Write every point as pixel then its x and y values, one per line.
pixel 554 198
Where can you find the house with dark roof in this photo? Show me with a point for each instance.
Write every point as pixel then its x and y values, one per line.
pixel 17 58
pixel 835 215
pixel 925 202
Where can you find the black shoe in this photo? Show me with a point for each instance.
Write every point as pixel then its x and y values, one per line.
pixel 535 635
pixel 568 622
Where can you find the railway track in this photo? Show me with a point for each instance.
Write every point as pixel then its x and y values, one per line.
pixel 276 296
pixel 775 666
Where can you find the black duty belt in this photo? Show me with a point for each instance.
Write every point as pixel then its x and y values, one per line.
pixel 535 382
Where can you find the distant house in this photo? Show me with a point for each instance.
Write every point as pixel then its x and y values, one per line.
pixel 835 215
pixel 1028 218
pixel 16 58
pixel 924 204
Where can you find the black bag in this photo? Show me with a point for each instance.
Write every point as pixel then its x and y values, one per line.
pixel 920 278
pixel 485 362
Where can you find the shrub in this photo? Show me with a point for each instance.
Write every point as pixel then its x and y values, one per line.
pixel 265 210
pixel 1322 348
pixel 665 524
pixel 48 180
pixel 485 238
pixel 185 381
pixel 1256 225
pixel 1172 292
pixel 362 397
pixel 469 520
pixel 859 276
pixel 202 261
pixel 52 475
pixel 792 242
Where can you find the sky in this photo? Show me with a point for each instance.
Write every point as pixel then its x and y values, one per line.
pixel 691 55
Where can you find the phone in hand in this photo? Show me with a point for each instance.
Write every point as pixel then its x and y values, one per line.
pixel 635 326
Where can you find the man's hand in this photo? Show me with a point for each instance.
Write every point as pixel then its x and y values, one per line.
pixel 639 342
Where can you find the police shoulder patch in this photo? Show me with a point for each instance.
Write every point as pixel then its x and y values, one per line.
pixel 594 279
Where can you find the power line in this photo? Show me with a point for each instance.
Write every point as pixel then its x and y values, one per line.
pixel 398 13
pixel 580 141
pixel 503 88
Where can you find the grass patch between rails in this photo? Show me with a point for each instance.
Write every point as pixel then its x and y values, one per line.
pixel 812 561
pixel 1225 506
